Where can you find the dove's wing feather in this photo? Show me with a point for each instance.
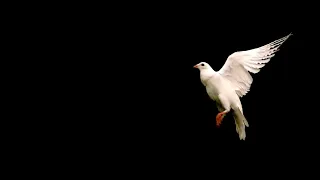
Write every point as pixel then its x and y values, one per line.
pixel 238 65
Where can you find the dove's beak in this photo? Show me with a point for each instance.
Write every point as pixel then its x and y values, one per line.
pixel 196 66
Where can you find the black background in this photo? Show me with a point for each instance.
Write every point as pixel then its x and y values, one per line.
pixel 121 86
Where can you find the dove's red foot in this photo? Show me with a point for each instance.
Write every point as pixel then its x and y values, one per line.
pixel 219 118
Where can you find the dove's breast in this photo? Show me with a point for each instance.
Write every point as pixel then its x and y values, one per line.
pixel 216 85
pixel 213 87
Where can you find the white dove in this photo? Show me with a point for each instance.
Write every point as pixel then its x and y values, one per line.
pixel 233 80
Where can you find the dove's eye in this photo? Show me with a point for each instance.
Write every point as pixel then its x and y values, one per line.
pixel 202 64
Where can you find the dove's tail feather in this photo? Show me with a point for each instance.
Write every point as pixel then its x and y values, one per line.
pixel 240 122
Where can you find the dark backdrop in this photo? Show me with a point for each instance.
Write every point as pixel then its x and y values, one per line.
pixel 122 87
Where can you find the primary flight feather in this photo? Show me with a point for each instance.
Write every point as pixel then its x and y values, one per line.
pixel 233 80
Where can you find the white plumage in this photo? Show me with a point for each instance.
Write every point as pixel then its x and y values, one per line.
pixel 233 80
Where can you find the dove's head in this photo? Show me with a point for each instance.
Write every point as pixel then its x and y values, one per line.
pixel 202 66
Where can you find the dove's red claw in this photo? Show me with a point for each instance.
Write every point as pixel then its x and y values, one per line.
pixel 219 118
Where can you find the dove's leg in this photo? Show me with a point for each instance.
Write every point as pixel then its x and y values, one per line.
pixel 220 109
pixel 220 117
pixel 226 105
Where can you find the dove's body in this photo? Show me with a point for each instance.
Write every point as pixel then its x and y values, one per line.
pixel 233 80
pixel 219 87
pixel 221 90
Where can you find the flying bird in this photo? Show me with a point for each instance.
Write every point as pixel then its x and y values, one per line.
pixel 233 81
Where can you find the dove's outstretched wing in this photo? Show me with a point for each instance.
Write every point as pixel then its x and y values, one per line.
pixel 238 65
